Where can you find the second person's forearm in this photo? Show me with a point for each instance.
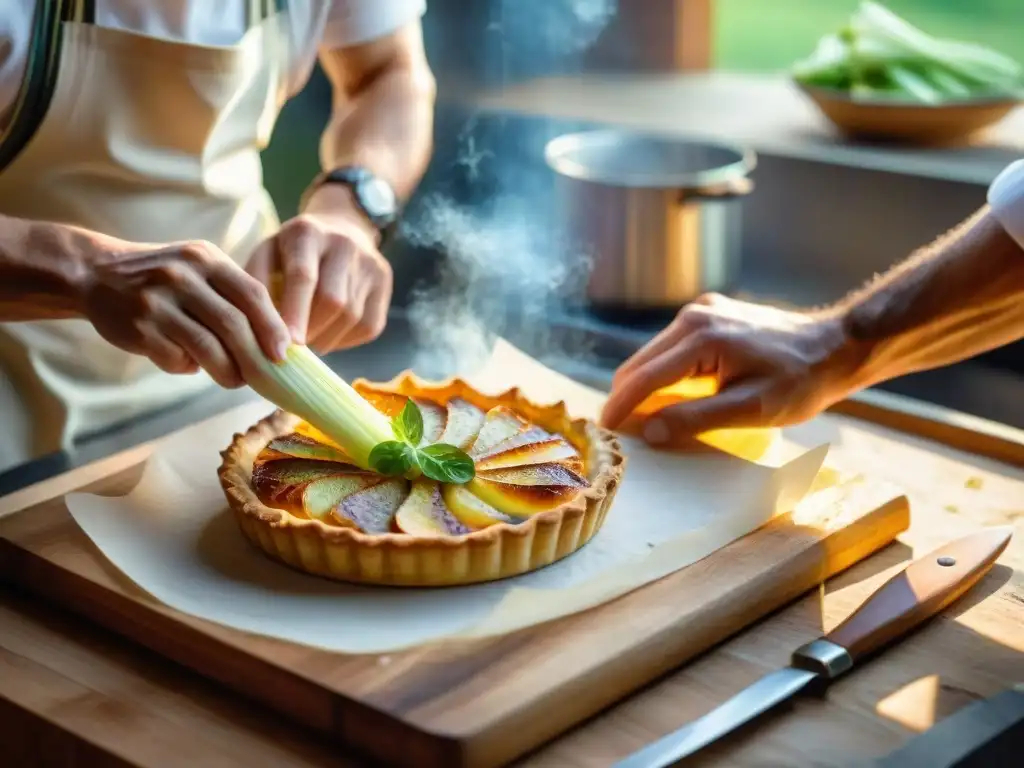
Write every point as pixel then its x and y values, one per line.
pixel 959 297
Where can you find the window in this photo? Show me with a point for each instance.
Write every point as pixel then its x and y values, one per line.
pixel 768 35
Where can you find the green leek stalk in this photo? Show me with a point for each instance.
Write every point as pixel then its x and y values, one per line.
pixel 878 55
pixel 305 386
pixel 973 61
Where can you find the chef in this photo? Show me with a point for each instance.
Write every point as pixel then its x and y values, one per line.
pixel 958 297
pixel 137 242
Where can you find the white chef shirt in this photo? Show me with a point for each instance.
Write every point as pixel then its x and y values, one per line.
pixel 1006 197
pixel 313 23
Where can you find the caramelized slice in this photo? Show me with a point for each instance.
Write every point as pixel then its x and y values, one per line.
pixel 464 423
pixel 538 474
pixel 435 419
pixel 370 510
pixel 435 416
pixel 308 430
pixel 520 500
pixel 320 497
pixel 280 483
pixel 536 433
pixel 423 513
pixel 555 449
pixel 387 403
pixel 530 436
pixel 470 510
pixel 501 424
pixel 301 446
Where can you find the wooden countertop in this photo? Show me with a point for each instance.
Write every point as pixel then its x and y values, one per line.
pixel 71 692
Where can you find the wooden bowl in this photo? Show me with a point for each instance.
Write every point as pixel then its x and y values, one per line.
pixel 906 121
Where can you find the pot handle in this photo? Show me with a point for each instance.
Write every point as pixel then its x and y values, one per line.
pixel 739 187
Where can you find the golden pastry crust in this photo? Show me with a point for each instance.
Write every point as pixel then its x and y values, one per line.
pixel 401 559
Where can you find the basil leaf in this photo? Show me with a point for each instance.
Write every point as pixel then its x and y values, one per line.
pixel 392 458
pixel 408 424
pixel 446 464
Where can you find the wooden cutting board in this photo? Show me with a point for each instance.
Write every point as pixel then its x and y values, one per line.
pixel 479 703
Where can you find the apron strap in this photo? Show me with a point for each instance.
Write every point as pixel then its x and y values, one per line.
pixel 43 63
pixel 85 13
pixel 256 11
pixel 260 10
pixel 41 66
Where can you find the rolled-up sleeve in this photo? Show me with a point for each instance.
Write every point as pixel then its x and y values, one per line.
pixel 350 22
pixel 1006 198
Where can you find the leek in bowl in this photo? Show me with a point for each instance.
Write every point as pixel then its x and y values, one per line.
pixel 880 77
pixel 878 56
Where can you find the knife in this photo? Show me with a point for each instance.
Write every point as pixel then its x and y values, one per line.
pixel 923 589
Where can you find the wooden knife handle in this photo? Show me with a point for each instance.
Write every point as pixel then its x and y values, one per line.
pixel 920 591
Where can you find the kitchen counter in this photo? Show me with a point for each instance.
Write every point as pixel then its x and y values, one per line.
pixel 764 111
pixel 73 694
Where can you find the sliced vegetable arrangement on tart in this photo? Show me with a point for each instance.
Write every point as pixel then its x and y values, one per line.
pixel 465 488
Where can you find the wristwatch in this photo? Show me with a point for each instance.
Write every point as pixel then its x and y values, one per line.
pixel 374 196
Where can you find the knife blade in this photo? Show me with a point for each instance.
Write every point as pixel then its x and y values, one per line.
pixel 917 593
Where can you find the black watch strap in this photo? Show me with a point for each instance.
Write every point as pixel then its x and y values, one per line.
pixel 374 196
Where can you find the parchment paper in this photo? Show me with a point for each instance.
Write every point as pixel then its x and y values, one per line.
pixel 174 537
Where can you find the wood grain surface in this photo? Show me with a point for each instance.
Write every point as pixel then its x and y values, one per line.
pixel 72 694
pixel 975 649
pixel 479 703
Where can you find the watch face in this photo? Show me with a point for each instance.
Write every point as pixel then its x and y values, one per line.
pixel 378 198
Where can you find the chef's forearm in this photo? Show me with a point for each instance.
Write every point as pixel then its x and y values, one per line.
pixel 42 269
pixel 388 129
pixel 383 113
pixel 959 297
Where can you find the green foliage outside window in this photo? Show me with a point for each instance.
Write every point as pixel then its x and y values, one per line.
pixel 769 35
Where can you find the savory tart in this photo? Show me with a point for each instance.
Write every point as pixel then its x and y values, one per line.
pixel 540 487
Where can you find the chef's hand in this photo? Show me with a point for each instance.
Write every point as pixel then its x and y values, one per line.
pixel 773 367
pixel 185 306
pixel 336 284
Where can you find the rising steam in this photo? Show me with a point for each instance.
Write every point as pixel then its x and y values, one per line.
pixel 501 276
pixel 506 260
pixel 553 28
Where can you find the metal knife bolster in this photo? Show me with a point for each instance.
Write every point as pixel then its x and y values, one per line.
pixel 824 658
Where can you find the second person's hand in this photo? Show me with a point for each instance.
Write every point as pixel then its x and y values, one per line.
pixel 774 367
pixel 336 284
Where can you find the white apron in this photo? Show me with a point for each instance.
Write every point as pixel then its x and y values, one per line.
pixel 147 140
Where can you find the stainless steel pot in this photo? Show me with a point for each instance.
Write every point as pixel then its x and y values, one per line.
pixel 660 216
